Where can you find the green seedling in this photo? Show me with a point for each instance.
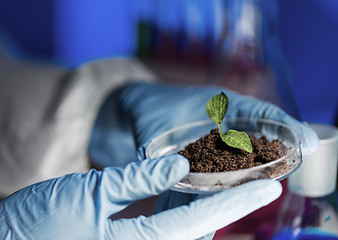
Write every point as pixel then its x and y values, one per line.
pixel 216 109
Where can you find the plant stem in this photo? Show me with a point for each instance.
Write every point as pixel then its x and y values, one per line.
pixel 220 129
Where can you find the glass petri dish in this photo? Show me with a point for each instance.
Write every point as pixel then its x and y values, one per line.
pixel 178 138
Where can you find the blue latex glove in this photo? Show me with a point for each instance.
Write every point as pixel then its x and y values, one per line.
pixel 78 206
pixel 155 108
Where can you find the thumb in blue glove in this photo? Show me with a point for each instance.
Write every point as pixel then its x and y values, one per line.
pixel 78 206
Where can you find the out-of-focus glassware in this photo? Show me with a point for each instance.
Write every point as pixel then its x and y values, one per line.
pixel 249 56
pixel 310 208
pixel 146 27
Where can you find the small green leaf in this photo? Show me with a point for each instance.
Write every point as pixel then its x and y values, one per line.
pixel 237 139
pixel 217 107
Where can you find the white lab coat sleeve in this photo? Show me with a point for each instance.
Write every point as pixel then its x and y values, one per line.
pixel 47 114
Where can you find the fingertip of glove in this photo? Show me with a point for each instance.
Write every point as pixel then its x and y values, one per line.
pixel 310 140
pixel 173 168
pixel 268 188
pixel 273 187
pixel 179 164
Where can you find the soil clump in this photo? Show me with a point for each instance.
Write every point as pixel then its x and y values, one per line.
pixel 210 154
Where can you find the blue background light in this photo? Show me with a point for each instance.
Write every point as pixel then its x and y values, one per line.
pixel 309 37
pixel 85 30
pixel 70 32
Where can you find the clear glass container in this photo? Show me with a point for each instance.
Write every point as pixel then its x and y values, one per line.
pixel 176 139
pixel 308 218
pixel 310 208
pixel 249 58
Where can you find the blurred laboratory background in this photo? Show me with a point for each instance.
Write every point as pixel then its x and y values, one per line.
pixel 282 51
pixel 193 41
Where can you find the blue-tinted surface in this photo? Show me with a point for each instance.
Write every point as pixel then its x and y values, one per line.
pixel 70 32
pixel 305 234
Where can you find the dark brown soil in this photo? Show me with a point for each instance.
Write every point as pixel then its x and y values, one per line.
pixel 211 154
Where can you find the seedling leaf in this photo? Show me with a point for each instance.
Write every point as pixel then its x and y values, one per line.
pixel 237 139
pixel 217 107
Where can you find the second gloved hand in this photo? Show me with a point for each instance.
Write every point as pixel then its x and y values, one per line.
pixel 156 108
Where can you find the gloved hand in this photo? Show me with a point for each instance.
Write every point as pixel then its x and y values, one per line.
pixel 78 206
pixel 156 108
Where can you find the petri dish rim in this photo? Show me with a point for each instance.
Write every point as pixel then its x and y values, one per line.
pixel 296 147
